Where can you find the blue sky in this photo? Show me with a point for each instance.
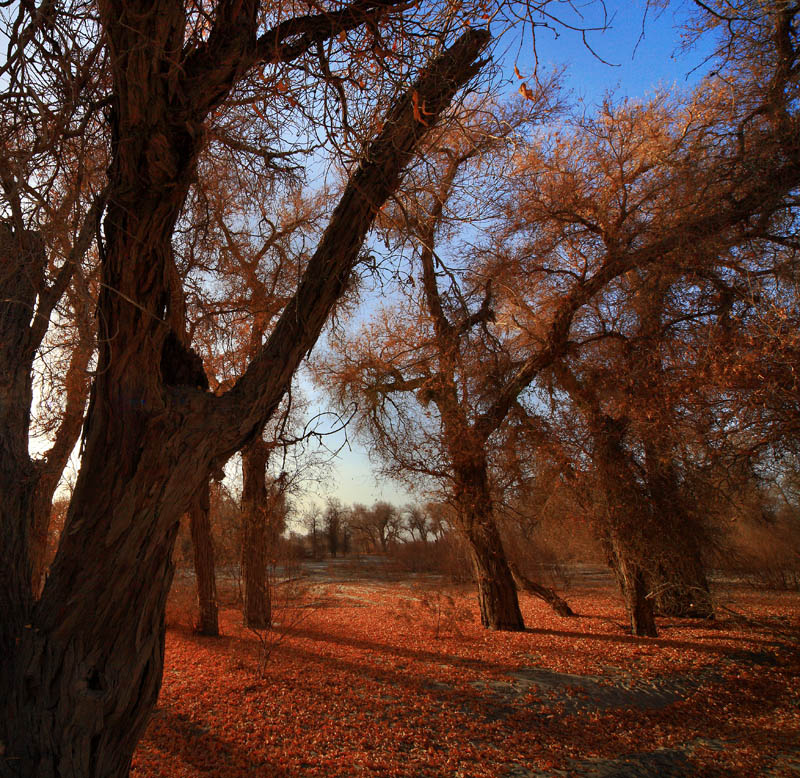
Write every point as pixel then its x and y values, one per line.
pixel 644 48
pixel 640 50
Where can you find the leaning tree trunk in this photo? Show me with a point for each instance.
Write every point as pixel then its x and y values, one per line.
pixel 204 567
pixel 51 466
pixel 81 670
pixel 558 604
pixel 256 520
pixel 497 592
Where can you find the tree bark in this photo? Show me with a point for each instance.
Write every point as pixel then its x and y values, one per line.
pixel 497 593
pixel 255 541
pixel 204 566
pixel 558 604
pixel 81 671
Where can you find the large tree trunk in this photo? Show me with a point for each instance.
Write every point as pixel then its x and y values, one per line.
pixel 204 567
pixel 633 585
pixel 256 519
pixel 90 663
pixel 81 671
pixel 627 527
pixel 497 592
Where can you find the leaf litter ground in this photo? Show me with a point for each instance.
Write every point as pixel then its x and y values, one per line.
pixel 399 679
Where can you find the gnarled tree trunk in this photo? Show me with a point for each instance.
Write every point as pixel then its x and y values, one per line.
pixel 82 670
pixel 497 592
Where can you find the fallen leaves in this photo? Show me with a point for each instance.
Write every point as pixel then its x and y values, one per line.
pixel 361 688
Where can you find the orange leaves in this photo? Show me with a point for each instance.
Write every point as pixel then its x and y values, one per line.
pixel 363 687
pixel 525 90
pixel 419 109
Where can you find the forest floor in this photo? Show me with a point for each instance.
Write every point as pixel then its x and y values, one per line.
pixel 369 676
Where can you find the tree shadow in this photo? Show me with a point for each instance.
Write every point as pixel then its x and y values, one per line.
pixel 194 744
pixel 699 644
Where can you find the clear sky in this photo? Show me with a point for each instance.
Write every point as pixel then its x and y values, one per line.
pixel 639 51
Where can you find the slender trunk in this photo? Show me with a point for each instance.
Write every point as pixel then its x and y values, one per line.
pixel 51 466
pixel 255 514
pixel 204 567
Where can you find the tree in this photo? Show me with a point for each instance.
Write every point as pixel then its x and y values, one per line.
pixel 334 520
pixel 379 526
pixel 83 667
pixel 312 521
pixel 417 523
pixel 264 512
pixel 418 376
pixel 670 190
pixel 639 441
pixel 675 184
pixel 256 267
